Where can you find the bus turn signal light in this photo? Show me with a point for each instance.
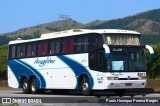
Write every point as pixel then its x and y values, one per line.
pixel 141 78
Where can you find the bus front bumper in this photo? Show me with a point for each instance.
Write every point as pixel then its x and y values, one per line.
pixel 125 84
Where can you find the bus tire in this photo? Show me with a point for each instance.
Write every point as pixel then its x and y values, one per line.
pixel 85 87
pixel 33 86
pixel 119 92
pixel 25 86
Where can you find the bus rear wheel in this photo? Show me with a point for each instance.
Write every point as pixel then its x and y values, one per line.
pixel 85 87
pixel 25 86
pixel 33 87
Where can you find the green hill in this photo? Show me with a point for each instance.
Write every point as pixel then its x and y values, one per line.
pixel 143 22
pixel 147 23
pixel 4 40
pixel 36 31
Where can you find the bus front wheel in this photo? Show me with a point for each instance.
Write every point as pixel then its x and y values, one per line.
pixel 25 86
pixel 85 87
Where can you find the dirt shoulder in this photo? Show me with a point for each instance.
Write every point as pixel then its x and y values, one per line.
pixel 151 86
pixel 4 86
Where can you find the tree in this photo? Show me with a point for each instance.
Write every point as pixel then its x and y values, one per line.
pixel 153 70
pixel 3 62
pixel 65 19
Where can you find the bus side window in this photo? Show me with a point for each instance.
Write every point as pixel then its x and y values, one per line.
pixel 54 47
pixel 78 44
pixel 67 45
pixel 95 41
pixel 64 47
pixel 23 50
pixel 86 44
pixel 57 46
pixel 70 45
pixel 45 48
pixel 31 49
pixel 12 52
pixel 34 49
pixel 42 48
pixel 81 44
pixel 20 50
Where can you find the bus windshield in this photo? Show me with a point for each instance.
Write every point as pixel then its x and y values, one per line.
pixel 122 39
pixel 126 58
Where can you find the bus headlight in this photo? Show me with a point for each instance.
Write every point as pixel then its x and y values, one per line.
pixel 141 78
pixel 112 78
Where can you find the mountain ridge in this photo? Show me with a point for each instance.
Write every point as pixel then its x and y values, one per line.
pixel 147 23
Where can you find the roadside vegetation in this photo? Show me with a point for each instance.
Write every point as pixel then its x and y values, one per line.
pixel 3 62
pixel 153 70
pixel 14 104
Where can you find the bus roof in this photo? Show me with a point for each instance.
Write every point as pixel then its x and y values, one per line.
pixel 73 32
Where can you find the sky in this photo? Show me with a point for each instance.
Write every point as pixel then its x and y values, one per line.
pixel 17 14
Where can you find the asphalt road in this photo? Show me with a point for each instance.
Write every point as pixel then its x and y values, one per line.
pixel 99 98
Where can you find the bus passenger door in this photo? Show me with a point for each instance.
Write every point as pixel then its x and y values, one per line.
pixel 97 63
pixel 97 60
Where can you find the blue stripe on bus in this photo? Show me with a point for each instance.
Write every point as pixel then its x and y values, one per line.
pixel 38 75
pixel 77 68
pixel 20 68
pixel 16 75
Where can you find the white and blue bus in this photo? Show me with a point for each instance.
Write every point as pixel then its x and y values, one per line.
pixel 79 59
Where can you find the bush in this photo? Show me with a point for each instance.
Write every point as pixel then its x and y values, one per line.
pixel 153 70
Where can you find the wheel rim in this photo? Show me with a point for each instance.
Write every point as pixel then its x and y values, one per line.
pixel 85 86
pixel 25 85
pixel 33 87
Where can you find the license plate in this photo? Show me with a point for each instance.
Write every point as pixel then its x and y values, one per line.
pixel 128 84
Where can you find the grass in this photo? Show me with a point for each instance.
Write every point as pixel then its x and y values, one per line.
pixel 13 104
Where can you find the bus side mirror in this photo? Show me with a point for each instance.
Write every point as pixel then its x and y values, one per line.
pixel 151 51
pixel 107 51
